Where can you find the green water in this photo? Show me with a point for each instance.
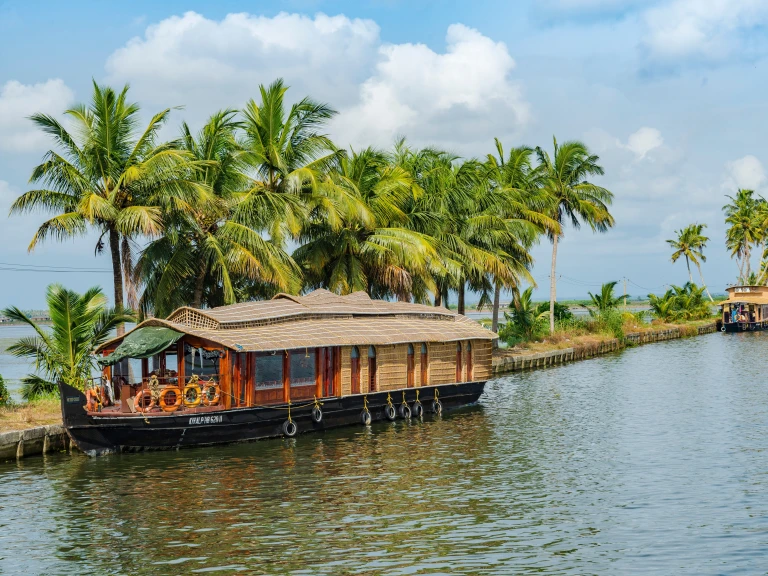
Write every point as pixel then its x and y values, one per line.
pixel 651 461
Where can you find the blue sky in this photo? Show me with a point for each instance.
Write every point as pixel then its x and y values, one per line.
pixel 669 93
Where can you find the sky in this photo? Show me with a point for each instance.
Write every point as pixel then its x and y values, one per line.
pixel 669 94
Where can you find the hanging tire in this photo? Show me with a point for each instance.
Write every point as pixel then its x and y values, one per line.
pixel 417 410
pixel 722 329
pixel 390 412
pixel 365 418
pixel 317 415
pixel 437 407
pixel 290 429
pixel 405 411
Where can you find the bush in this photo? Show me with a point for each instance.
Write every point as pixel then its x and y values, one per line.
pixel 5 396
pixel 680 303
pixel 562 312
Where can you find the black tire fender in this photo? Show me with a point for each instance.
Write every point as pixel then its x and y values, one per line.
pixel 290 429
pixel 317 415
pixel 405 411
pixel 390 412
pixel 437 407
pixel 365 418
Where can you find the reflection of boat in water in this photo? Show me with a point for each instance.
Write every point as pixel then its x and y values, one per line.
pixel 276 368
pixel 745 310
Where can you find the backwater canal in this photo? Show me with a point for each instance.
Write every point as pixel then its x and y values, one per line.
pixel 649 461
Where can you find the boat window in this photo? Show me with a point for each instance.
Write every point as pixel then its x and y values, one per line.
pixel 371 352
pixel 423 348
pixel 269 371
pixel 201 362
pixel 355 352
pixel 410 349
pixel 458 346
pixel 469 347
pixel 303 367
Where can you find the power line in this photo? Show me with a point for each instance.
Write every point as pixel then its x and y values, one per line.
pixel 12 266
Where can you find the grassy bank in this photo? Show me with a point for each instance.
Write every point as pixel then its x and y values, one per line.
pixel 573 336
pixel 41 412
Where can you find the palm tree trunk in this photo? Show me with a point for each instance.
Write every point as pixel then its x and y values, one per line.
pixel 704 283
pixel 197 299
pixel 496 302
pixel 438 298
pixel 553 286
pixel 461 296
pixel 117 274
pixel 690 276
pixel 131 296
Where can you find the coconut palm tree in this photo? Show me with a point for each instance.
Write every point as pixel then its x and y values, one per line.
pixel 373 249
pixel 79 323
pixel 524 204
pixel 606 299
pixel 288 160
pixel 207 247
pixel 744 230
pixel 690 243
pixel 108 175
pixel 573 197
pixel 524 321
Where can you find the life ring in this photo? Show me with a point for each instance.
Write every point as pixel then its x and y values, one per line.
pixel 196 399
pixel 722 329
pixel 317 415
pixel 144 402
pixel 405 411
pixel 437 407
pixel 92 400
pixel 365 418
pixel 390 412
pixel 290 429
pixel 418 409
pixel 177 398
pixel 211 395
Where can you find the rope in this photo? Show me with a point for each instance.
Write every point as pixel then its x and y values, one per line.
pixel 389 399
pixel 404 402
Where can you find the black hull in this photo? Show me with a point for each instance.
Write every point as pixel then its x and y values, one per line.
pixel 96 435
pixel 732 327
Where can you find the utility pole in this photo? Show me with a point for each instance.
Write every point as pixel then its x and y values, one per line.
pixel 625 294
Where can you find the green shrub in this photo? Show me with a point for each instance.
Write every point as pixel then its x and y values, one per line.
pixel 5 396
pixel 562 312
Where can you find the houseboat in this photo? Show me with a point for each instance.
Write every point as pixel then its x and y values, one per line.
pixel 745 310
pixel 275 368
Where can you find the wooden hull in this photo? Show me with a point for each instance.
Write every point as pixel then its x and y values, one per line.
pixel 95 435
pixel 731 327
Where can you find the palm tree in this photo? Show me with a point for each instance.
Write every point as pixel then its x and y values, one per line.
pixel 373 249
pixel 288 158
pixel 108 175
pixel 690 243
pixel 79 323
pixel 573 197
pixel 744 231
pixel 524 321
pixel 524 204
pixel 605 300
pixel 207 249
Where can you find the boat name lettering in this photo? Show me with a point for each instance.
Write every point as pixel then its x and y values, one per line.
pixel 215 419
pixel 73 399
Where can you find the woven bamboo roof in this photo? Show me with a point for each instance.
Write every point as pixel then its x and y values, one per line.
pixel 320 318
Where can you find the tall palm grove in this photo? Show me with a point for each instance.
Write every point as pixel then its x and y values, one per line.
pixel 261 201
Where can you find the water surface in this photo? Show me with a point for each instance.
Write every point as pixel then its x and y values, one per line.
pixel 650 461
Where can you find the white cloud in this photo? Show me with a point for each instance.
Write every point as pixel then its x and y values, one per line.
pixel 746 172
pixel 708 31
pixel 19 101
pixel 643 141
pixel 207 64
pixel 414 88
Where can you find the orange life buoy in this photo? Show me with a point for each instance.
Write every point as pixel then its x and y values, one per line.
pixel 144 401
pixel 211 399
pixel 170 406
pixel 193 395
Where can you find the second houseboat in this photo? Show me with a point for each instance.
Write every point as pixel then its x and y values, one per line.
pixel 745 310
pixel 276 368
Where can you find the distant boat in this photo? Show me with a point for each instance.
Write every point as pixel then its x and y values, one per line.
pixel 276 368
pixel 745 310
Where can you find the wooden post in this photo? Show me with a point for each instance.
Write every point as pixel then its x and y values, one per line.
pixel 236 377
pixel 180 363
pixel 318 373
pixel 144 368
pixel 286 377
pixel 224 379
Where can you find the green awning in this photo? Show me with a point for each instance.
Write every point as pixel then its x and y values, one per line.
pixel 142 343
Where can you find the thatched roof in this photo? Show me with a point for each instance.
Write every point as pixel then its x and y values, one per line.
pixel 320 318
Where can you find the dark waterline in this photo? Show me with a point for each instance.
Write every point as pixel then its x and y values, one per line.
pixel 650 461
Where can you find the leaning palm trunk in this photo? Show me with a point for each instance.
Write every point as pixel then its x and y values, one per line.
pixel 461 297
pixel 704 283
pixel 117 275
pixel 553 286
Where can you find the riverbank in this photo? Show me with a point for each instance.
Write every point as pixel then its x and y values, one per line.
pixel 580 347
